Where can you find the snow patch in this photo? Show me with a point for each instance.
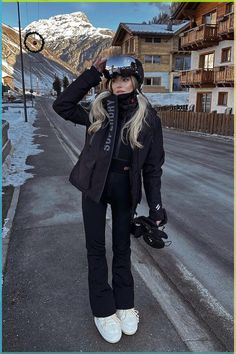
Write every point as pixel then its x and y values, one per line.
pixel 167 99
pixel 5 229
pixel 21 134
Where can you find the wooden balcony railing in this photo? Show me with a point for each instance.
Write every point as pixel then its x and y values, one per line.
pixel 197 78
pixel 199 37
pixel 226 25
pixel 224 75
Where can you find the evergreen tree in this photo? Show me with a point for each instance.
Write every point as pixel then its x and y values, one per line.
pixel 65 82
pixel 164 17
pixel 57 85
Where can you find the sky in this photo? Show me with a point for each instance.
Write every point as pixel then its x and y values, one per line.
pixel 107 15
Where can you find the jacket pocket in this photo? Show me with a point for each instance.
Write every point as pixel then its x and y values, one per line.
pixel 82 173
pixel 86 169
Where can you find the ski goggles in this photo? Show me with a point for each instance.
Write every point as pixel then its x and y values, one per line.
pixel 121 65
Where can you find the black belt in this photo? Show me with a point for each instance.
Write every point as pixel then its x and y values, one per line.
pixel 119 166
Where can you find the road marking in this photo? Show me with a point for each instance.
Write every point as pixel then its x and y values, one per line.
pixel 193 333
pixel 69 147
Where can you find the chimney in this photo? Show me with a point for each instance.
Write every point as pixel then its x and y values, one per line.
pixel 169 26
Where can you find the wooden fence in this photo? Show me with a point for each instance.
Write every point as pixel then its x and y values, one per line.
pixel 212 123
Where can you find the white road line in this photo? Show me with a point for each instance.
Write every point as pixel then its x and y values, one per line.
pixel 193 333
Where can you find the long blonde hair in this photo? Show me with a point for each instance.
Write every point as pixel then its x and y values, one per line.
pixel 98 115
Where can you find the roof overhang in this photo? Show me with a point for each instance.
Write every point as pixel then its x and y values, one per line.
pixel 185 10
pixel 120 33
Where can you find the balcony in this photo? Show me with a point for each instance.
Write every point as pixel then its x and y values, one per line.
pixel 224 76
pixel 226 27
pixel 197 78
pixel 199 37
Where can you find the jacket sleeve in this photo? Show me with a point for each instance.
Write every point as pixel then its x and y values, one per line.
pixel 152 172
pixel 66 104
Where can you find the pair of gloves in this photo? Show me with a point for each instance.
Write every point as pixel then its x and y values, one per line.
pixel 146 227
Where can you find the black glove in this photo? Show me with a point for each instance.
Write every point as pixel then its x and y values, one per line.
pixel 146 227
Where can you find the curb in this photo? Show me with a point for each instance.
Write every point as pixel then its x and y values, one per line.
pixel 8 226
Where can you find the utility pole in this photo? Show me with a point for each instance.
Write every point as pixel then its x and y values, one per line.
pixel 22 64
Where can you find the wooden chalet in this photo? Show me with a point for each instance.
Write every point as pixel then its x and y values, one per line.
pixel 211 42
pixel 157 46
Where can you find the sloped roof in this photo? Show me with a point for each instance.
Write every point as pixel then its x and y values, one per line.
pixel 154 28
pixel 146 29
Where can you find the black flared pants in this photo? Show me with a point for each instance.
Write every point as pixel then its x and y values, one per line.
pixel 105 299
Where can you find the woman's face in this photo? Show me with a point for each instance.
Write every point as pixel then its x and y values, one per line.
pixel 121 85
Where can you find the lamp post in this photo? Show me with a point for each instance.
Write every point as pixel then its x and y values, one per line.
pixel 22 64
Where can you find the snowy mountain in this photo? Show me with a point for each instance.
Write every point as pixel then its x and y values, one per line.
pixel 40 68
pixel 73 38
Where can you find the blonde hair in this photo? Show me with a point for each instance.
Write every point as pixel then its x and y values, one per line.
pixel 133 127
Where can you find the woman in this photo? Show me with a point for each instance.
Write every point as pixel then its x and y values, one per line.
pixel 123 140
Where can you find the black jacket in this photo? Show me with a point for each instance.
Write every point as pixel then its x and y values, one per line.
pixel 90 172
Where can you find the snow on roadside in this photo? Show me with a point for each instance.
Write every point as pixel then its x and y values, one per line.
pixel 5 229
pixel 167 99
pixel 21 134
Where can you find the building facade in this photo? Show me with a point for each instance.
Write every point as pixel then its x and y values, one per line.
pixel 211 42
pixel 157 47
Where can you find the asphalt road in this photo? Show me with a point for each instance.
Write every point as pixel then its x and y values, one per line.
pixel 198 193
pixel 197 190
pixel 45 280
pixel 45 288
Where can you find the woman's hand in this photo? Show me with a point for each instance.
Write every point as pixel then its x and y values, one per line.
pixel 100 64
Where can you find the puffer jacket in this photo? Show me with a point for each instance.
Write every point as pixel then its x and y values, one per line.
pixel 90 172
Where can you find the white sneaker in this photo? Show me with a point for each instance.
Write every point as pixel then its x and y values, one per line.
pixel 129 320
pixel 109 328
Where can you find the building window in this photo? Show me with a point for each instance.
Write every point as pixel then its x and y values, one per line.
pixel 182 63
pixel 222 98
pixel 148 81
pixel 152 40
pixel 156 59
pixel 176 84
pixel 206 61
pixel 152 59
pixel 226 55
pixel 156 81
pixel 204 102
pixel 229 8
pixel 152 81
pixel 210 18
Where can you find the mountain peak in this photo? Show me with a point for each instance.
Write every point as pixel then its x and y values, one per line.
pixel 73 38
pixel 76 16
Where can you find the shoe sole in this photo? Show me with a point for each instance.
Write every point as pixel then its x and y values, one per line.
pixel 129 334
pixel 108 340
